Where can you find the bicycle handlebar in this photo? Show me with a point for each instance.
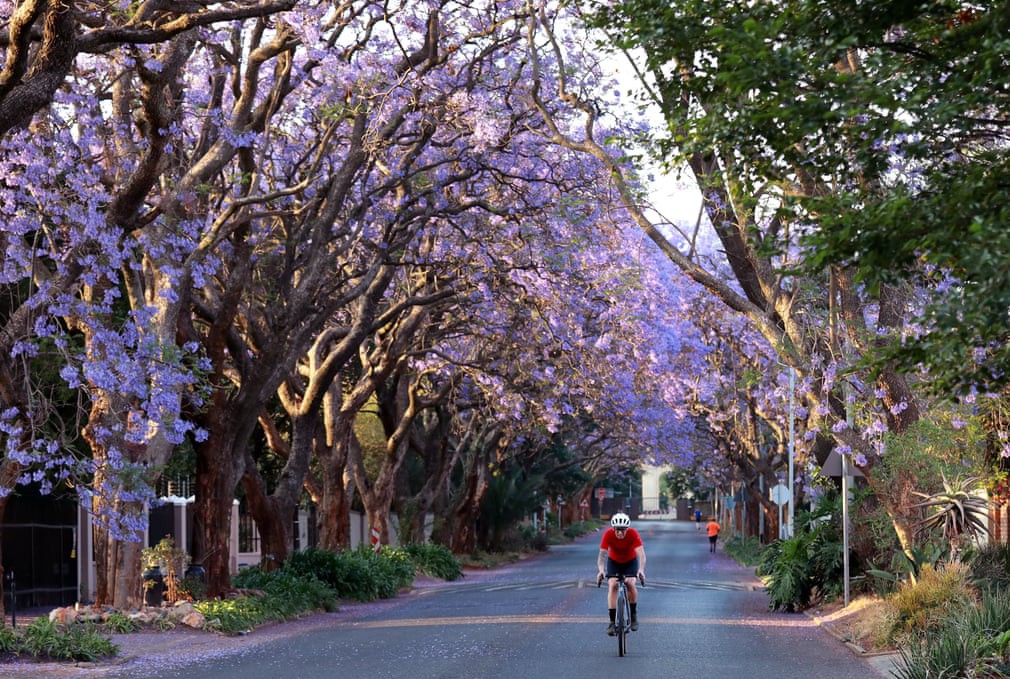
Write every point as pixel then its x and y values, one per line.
pixel 640 578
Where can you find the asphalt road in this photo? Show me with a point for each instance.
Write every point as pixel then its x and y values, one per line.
pixel 701 616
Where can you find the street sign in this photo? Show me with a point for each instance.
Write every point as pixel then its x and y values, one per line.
pixel 781 494
pixel 601 494
pixel 584 503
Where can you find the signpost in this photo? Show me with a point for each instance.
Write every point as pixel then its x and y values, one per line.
pixel 780 496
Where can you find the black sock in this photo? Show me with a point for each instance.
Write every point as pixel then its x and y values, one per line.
pixel 634 609
pixel 613 614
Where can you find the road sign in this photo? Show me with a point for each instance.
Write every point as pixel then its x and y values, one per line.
pixel 781 494
pixel 601 494
pixel 584 503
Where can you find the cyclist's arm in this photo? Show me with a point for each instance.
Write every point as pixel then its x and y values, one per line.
pixel 601 561
pixel 640 552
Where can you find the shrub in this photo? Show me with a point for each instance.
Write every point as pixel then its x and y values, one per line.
pixel 535 540
pixel 120 624
pixel 810 562
pixel 9 641
pixel 434 560
pixel 786 568
pixel 356 574
pixel 922 607
pixel 945 655
pixel 43 639
pixel 578 528
pixel 288 594
pixel 966 643
pixel 232 616
pixel 990 564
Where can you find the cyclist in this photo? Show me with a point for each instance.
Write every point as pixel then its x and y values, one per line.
pixel 621 553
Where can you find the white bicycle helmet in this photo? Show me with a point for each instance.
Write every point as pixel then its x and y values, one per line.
pixel 620 520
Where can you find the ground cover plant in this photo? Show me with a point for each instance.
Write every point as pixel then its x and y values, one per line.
pixel 45 640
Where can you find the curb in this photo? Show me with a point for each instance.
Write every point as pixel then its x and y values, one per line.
pixel 883 662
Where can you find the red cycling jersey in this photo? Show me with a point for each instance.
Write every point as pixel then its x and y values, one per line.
pixel 621 550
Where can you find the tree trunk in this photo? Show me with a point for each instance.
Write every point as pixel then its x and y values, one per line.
pixel 333 518
pixel 128 593
pixel 275 513
pixel 274 518
pixel 3 598
pixel 335 506
pixel 467 507
pixel 376 497
pixel 216 480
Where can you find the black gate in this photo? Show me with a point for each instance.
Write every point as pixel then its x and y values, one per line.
pixel 39 549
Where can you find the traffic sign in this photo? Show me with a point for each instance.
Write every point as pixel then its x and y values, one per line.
pixel 781 494
pixel 601 494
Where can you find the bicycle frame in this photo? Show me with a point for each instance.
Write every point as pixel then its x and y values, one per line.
pixel 622 623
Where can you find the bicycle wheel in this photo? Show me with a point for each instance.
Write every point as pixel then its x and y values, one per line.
pixel 622 621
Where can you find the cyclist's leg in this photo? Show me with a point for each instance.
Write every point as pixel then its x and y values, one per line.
pixel 631 585
pixel 612 570
pixel 630 571
pixel 611 595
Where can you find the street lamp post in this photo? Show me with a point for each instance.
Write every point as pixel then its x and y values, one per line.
pixel 792 447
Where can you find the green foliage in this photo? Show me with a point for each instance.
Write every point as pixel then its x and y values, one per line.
pixel 232 616
pixel 579 528
pixel 356 574
pixel 923 606
pixel 990 564
pixel 195 586
pixel 745 550
pixel 120 624
pixel 44 639
pixel 434 560
pixel 807 564
pixel 9 640
pixel 785 566
pixel 166 556
pixel 946 655
pixel 917 460
pixel 534 538
pixel 972 642
pixel 958 512
pixel 299 586
pixel 511 495
pixel 896 102
pixel 290 594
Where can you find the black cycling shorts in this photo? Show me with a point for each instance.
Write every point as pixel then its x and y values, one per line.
pixel 628 569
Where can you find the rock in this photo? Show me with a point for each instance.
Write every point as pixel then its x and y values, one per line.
pixel 194 620
pixel 181 610
pixel 63 616
pixel 143 618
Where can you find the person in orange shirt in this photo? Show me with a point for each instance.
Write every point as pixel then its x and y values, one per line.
pixel 713 533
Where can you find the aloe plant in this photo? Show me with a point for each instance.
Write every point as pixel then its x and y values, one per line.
pixel 957 512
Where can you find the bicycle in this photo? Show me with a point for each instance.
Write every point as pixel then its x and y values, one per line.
pixel 622 624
